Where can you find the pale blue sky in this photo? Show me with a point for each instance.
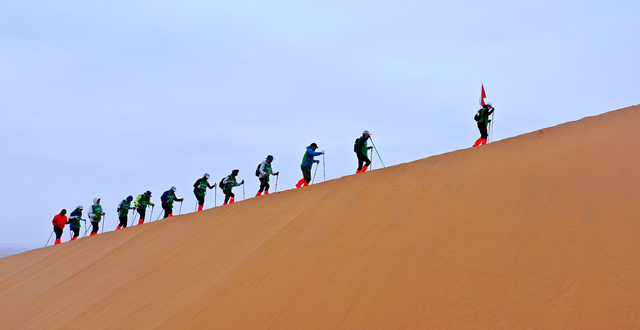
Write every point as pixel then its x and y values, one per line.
pixel 110 99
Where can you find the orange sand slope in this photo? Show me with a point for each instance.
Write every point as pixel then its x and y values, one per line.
pixel 536 231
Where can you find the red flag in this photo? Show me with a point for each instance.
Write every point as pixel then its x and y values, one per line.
pixel 482 96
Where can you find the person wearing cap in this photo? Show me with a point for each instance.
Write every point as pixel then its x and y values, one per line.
pixel 96 215
pixel 361 150
pixel 227 185
pixel 482 117
pixel 200 189
pixel 74 221
pixel 264 174
pixel 123 212
pixel 141 203
pixel 59 221
pixel 167 201
pixel 307 162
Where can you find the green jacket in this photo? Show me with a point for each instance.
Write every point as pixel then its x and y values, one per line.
pixel 123 208
pixel 229 182
pixel 96 211
pixel 200 187
pixel 482 117
pixel 265 170
pixel 142 201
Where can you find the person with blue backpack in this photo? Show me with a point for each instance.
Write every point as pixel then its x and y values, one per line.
pixel 361 149
pixel 167 201
pixel 307 162
pixel 74 221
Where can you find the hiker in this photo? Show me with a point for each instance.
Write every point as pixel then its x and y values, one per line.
pixel 264 172
pixel 307 162
pixel 74 221
pixel 167 201
pixel 360 148
pixel 200 189
pixel 123 212
pixel 482 117
pixel 141 203
pixel 227 184
pixel 95 215
pixel 59 220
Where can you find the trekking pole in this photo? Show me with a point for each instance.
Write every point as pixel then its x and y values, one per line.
pixel 324 171
pixel 243 198
pixel 314 174
pixel 195 207
pixel 180 207
pixel 215 197
pixel 133 217
pixel 104 222
pixel 371 164
pixel 49 238
pixel 491 136
pixel 376 149
pixel 86 229
pixel 277 177
pixel 159 214
pixel 151 215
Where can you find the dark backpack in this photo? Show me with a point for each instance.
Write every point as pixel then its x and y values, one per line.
pixel 355 145
pixel 258 169
pixel 477 116
pixel 221 185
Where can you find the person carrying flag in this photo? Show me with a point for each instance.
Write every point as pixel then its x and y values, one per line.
pixel 482 118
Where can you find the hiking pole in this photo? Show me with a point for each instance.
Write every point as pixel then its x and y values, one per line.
pixel 376 149
pixel 324 171
pixel 215 197
pixel 314 174
pixel 151 215
pixel 159 214
pixel 133 218
pixel 491 136
pixel 195 207
pixel 49 238
pixel 86 229
pixel 277 177
pixel 371 160
pixel 180 212
pixel 104 222
pixel 243 198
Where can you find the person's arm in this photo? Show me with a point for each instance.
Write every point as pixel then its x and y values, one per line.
pixel 163 198
pixel 136 202
pixel 195 185
pixel 210 186
pixel 262 169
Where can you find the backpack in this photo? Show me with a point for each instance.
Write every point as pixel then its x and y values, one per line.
pixel 221 185
pixel 477 116
pixel 258 170
pixel 355 145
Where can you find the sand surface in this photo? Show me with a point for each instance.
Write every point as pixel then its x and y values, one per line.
pixel 537 231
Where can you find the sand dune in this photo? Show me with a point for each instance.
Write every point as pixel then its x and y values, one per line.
pixel 536 231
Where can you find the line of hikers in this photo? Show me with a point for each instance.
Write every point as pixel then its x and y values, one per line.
pixel 264 172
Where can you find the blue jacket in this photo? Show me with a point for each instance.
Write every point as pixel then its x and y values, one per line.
pixel 307 160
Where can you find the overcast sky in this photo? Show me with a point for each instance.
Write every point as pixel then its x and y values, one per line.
pixel 108 99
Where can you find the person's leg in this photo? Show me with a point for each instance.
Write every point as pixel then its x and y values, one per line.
pixel 95 228
pixel 200 202
pixel 58 232
pixel 306 172
pixel 167 210
pixel 76 233
pixel 227 195
pixel 142 211
pixel 263 183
